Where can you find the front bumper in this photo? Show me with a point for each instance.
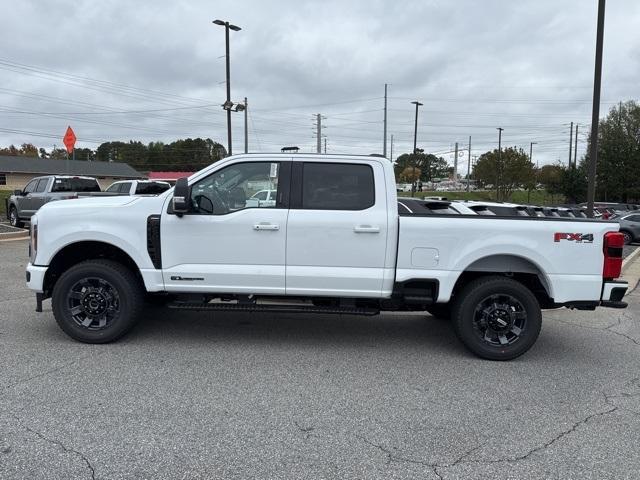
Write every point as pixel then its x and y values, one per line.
pixel 35 277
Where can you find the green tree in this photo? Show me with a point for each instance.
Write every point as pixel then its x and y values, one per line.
pixel 25 150
pixel 551 177
pixel 429 165
pixel 618 169
pixel 504 170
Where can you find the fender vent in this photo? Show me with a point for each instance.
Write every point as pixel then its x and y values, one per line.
pixel 153 240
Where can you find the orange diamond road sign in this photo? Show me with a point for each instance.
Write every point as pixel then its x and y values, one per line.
pixel 69 139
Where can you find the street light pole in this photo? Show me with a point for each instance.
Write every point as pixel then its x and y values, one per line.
pixel 595 114
pixel 228 104
pixel 415 144
pixel 499 169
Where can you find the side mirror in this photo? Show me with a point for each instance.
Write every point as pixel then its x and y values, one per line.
pixel 17 193
pixel 181 201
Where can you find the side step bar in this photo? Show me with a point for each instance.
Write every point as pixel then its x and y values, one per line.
pixel 253 307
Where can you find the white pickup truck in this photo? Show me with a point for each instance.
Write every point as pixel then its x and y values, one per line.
pixel 333 242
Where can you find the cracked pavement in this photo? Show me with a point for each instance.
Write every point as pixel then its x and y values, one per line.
pixel 201 396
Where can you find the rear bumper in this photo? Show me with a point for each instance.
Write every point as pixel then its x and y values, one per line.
pixel 35 277
pixel 612 294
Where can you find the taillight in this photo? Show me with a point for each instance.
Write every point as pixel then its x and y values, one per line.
pixel 613 245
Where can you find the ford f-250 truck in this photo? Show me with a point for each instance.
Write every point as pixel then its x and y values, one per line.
pixel 333 242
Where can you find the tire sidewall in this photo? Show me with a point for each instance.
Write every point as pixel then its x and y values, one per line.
pixel 627 235
pixel 13 217
pixel 476 292
pixel 119 325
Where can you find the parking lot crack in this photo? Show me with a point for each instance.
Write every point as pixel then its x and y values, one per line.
pixel 305 430
pixel 608 328
pixel 65 449
pixel 393 456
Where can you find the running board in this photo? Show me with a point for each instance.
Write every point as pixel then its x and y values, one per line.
pixel 252 307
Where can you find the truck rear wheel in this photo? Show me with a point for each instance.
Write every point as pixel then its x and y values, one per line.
pixel 97 301
pixel 14 219
pixel 497 318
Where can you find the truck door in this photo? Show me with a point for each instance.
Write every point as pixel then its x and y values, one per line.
pixel 25 201
pixel 226 244
pixel 337 229
pixel 39 196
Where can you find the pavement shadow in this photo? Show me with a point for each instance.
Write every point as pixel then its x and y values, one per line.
pixel 385 329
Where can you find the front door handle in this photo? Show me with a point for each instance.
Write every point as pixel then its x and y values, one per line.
pixel 366 229
pixel 266 226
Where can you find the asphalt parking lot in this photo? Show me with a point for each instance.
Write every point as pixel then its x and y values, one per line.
pixel 202 396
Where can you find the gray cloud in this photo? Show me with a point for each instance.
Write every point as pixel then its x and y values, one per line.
pixel 525 66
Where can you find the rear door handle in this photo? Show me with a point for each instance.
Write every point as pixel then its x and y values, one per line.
pixel 366 229
pixel 266 226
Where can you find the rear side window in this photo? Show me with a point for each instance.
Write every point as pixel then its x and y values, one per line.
pixel 151 188
pixel 124 187
pixel 113 188
pixel 72 184
pixel 337 186
pixel 42 185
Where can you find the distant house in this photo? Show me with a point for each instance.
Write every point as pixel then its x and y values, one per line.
pixel 170 177
pixel 15 172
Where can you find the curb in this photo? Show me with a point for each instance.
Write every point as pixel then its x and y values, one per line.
pixel 629 260
pixel 631 270
pixel 7 237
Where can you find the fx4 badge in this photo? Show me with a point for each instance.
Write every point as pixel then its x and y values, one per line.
pixel 574 237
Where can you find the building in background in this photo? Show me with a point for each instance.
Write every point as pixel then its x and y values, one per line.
pixel 15 172
pixel 170 177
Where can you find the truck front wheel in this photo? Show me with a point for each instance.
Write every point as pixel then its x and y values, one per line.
pixel 497 318
pixel 97 301
pixel 14 219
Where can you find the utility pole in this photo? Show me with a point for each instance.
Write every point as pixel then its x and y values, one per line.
pixel 415 145
pixel 571 144
pixel 531 153
pixel 595 114
pixel 499 169
pixel 391 154
pixel 469 165
pixel 384 136
pixel 575 150
pixel 246 130
pixel 319 133
pixel 455 164
pixel 228 104
pixel 325 145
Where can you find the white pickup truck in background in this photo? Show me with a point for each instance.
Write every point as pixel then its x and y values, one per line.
pixel 332 242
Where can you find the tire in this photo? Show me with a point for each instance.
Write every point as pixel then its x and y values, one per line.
pixel 97 301
pixel 14 219
pixel 628 238
pixel 441 311
pixel 497 318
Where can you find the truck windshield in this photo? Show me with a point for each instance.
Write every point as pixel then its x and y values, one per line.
pixel 72 184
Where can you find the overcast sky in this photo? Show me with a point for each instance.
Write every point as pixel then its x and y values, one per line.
pixel 154 71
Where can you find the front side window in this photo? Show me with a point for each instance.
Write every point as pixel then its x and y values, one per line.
pixel 31 186
pixel 113 187
pixel 236 187
pixel 337 186
pixel 125 187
